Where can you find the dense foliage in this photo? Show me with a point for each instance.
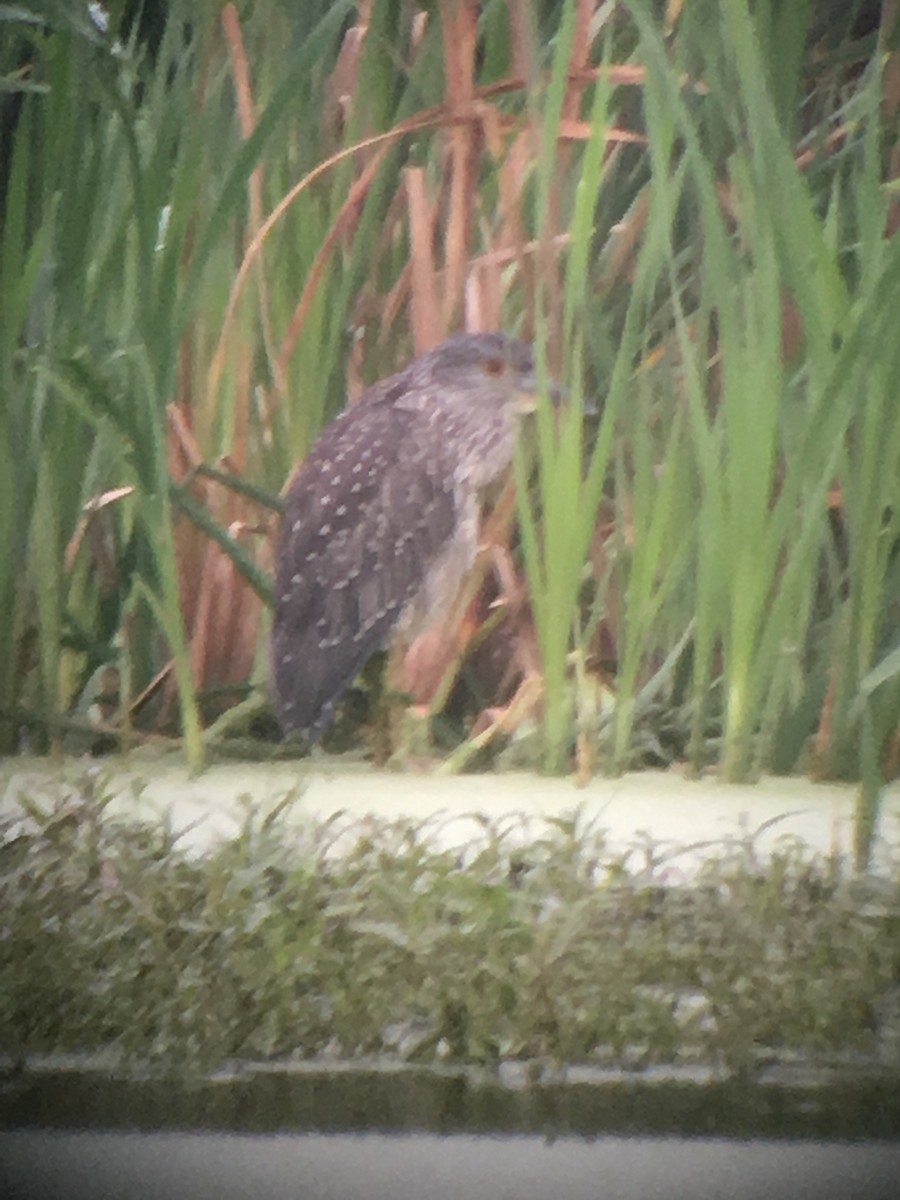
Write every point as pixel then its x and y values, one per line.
pixel 213 224
pixel 364 939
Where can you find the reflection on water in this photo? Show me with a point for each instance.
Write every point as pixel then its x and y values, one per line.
pixel 403 1167
pixel 73 1133
pixel 823 1106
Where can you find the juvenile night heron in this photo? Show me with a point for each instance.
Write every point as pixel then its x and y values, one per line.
pixel 380 524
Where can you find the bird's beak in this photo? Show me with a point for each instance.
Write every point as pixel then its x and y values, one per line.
pixel 528 391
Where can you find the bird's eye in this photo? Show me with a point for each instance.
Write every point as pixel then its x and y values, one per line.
pixel 494 366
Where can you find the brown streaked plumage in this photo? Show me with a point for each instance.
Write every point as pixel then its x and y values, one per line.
pixel 381 520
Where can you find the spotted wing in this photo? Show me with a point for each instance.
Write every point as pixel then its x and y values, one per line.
pixel 365 516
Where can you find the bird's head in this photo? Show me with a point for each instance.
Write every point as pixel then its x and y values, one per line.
pixel 491 368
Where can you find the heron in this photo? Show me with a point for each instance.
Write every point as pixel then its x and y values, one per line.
pixel 381 520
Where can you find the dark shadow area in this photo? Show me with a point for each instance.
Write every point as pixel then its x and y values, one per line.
pixel 824 1105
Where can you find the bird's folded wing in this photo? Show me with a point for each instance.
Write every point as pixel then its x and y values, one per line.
pixel 367 513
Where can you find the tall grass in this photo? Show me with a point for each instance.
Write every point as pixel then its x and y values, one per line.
pixel 203 247
pixel 119 247
pixel 782 496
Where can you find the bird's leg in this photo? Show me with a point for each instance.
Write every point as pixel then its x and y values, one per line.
pixel 421 676
pixel 410 737
pixel 512 606
pixel 494 552
pixel 426 671
pixel 421 668
pixel 494 722
pixel 513 594
pixel 409 680
pixel 506 718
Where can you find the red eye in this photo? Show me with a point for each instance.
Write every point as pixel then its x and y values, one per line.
pixel 494 366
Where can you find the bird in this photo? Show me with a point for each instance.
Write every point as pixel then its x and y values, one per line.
pixel 380 522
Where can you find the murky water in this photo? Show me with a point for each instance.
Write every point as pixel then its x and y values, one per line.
pixel 820 1105
pixel 404 1167
pixel 413 1133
